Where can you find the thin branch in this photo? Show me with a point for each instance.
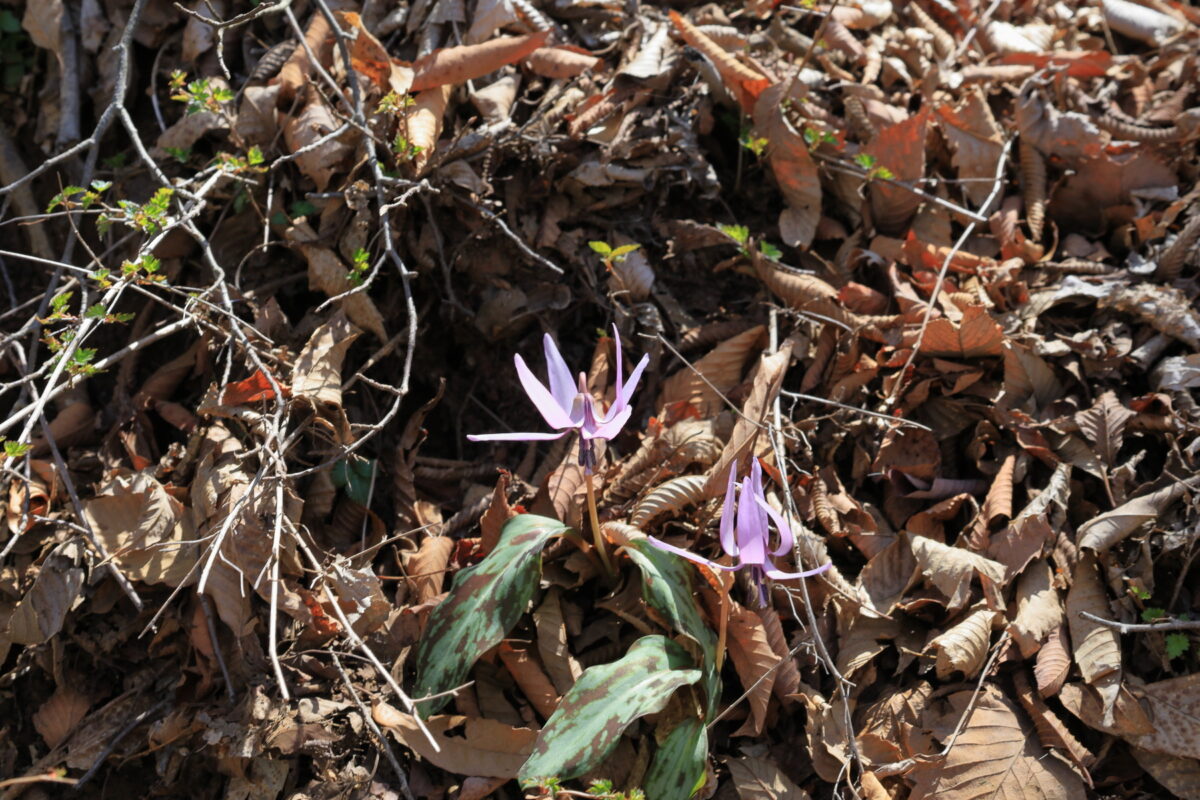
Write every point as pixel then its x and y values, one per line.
pixel 1147 627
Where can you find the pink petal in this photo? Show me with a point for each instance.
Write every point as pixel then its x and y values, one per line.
pixel 728 540
pixel 777 575
pixel 609 429
pixel 561 385
pixel 551 411
pixel 752 531
pixel 625 391
pixel 786 539
pixel 620 373
pixel 690 556
pixel 515 437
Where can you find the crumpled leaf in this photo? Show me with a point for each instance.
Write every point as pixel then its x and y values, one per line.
pixel 1097 647
pixel 963 647
pixel 309 131
pixel 760 779
pixel 793 168
pixel 41 612
pixel 950 569
pixel 327 272
pixel 1102 532
pixel 451 66
pixel 468 745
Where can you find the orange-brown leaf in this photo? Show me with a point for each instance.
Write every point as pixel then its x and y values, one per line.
pixel 451 66
pixel 746 83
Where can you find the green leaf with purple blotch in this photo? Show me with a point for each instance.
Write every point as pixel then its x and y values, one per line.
pixel 605 700
pixel 667 588
pixel 484 604
pixel 677 771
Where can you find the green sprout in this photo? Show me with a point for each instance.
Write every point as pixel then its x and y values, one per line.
pixel 1176 644
pixel 359 267
pixel 16 449
pixel 873 167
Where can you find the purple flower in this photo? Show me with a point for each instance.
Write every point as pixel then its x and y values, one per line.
pixel 748 540
pixel 568 406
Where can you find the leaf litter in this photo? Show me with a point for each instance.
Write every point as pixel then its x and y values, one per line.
pixel 929 267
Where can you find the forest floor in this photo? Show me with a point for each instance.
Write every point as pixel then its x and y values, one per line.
pixel 928 267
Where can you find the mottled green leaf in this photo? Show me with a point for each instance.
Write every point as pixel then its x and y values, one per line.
pixel 667 588
pixel 677 771
pixel 589 721
pixel 484 604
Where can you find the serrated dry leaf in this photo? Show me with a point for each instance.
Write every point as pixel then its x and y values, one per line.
pixel 1039 608
pixel 561 62
pixel 787 676
pixel 41 612
pixel 746 84
pixel 718 371
pixel 668 497
pixel 1097 647
pixel 327 273
pixel 977 335
pixel 530 677
pixel 963 647
pixel 309 131
pixel 977 142
pixel 426 568
pixel 144 530
pixel 995 756
pixel 1163 717
pixel 760 779
pixel 1050 729
pixel 317 375
pixel 422 124
pixel 751 653
pixel 825 731
pixel 950 569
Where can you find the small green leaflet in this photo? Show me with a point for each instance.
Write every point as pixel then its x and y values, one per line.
pixel 485 602
pixel 589 721
pixel 667 588
pixel 677 771
pixel 354 475
pixel 1177 644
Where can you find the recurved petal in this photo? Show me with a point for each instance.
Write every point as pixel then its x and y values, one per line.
pixel 515 437
pixel 752 531
pixel 562 388
pixel 554 414
pixel 609 429
pixel 786 539
pixel 626 390
pixel 690 556
pixel 728 513
pixel 778 575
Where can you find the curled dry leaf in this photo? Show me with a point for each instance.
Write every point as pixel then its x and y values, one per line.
pixel 59 715
pixel 1053 662
pixel 451 66
pixel 633 273
pixel 963 647
pixel 976 336
pixel 1050 729
pixel 787 676
pixel 1163 717
pixel 1140 22
pixel 369 57
pixel 426 568
pixel 950 569
pixel 1111 527
pixel 530 677
pixel 423 124
pixel 319 40
pixel 561 62
pixel 704 382
pixel 994 756
pixel 745 83
pixel 1097 647
pixel 562 667
pixel 977 142
pixel 317 376
pixel 41 612
pixel 1039 608
pixel 760 779
pixel 901 149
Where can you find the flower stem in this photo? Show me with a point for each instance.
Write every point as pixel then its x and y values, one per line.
pixel 722 619
pixel 594 518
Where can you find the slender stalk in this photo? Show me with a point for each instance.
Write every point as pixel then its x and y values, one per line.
pixel 722 621
pixel 597 538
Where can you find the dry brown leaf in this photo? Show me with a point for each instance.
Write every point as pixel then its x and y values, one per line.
pixel 760 779
pixel 1104 424
pixel 1097 647
pixel 745 83
pixel 299 66
pixel 1028 376
pixel 309 131
pixel 887 575
pixel 950 569
pixel 977 141
pixel 668 497
pixel 633 273
pixel 327 273
pixel 531 678
pixel 469 746
pixel 561 666
pixel 144 529
pixel 828 743
pixel 793 167
pixel 1164 308
pixel 1053 662
pixel 963 647
pixel 1163 717
pixel 1039 608
pixel 1068 135
pixel 787 676
pixel 59 715
pixel 1180 776
pixel 721 367
pixel 423 123
pixel 359 593
pixel 995 756
pixel 561 62
pixel 41 612
pixel 1050 729
pixel 768 380
pixel 886 723
pixel 900 149
pixel 861 641
pixel 751 653
pixel 426 568
pixel 317 375
pixel 450 66
pixel 498 512
pixel 71 425
pixel 369 57
pixel 1111 527
pixel 976 336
